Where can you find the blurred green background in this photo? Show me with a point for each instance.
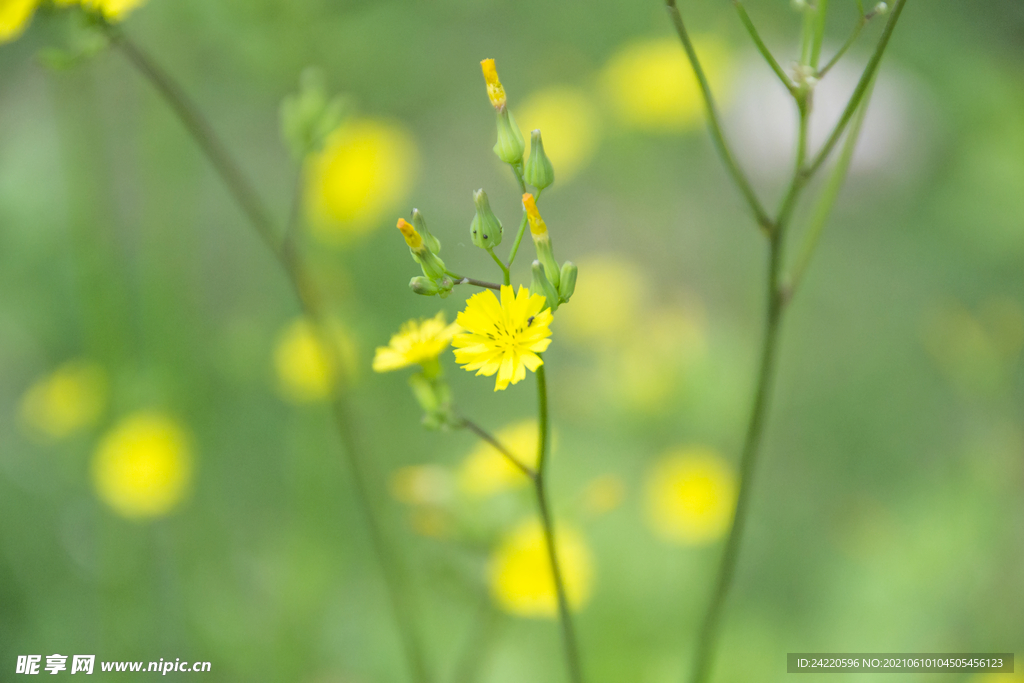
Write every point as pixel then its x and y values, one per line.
pixel 888 512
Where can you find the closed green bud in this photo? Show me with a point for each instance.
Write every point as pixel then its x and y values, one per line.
pixel 433 267
pixel 308 116
pixel 433 244
pixel 538 172
pixel 541 285
pixel 433 395
pixel 567 281
pixel 485 230
pixel 423 286
pixel 510 145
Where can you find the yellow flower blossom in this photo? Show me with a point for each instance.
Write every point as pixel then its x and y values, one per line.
pixel 566 118
pixel 66 401
pixel 304 367
pixel 503 338
pixel 143 466
pixel 364 170
pixel 520 571
pixel 486 471
pixel 691 496
pixel 417 342
pixel 651 86
pixel 495 91
pixel 609 293
pixel 15 16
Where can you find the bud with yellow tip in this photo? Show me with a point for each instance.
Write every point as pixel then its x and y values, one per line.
pixel 495 91
pixel 541 239
pixel 433 267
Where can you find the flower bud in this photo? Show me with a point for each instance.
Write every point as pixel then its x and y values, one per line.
pixel 495 91
pixel 433 267
pixel 485 230
pixel 567 281
pixel 308 116
pixel 538 172
pixel 541 285
pixel 510 145
pixel 541 240
pixel 433 395
pixel 423 286
pixel 433 244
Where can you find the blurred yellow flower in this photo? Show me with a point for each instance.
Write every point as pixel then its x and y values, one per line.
pixel 364 170
pixel 603 494
pixel 503 338
pixel 568 123
pixel 520 571
pixel 422 485
pixel 143 466
pixel 486 471
pixel 69 399
pixel 114 10
pixel 651 86
pixel 305 372
pixel 417 342
pixel 609 292
pixel 690 496
pixel 15 16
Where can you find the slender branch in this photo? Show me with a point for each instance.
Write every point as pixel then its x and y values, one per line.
pixel 820 10
pixel 506 277
pixel 862 86
pixel 478 283
pixel 826 201
pixel 714 125
pixel 484 435
pixel 846 46
pixel 762 48
pixel 519 238
pixel 252 206
pixel 572 654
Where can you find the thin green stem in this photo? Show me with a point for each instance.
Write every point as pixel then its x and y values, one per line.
pixel 862 86
pixel 762 48
pixel 506 276
pixel 846 46
pixel 820 11
pixel 827 199
pixel 310 303
pixel 714 124
pixel 807 35
pixel 572 655
pixel 519 238
pixel 518 170
pixel 484 435
pixel 476 283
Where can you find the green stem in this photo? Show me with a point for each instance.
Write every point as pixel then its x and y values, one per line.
pixel 506 276
pixel 486 436
pixel 827 199
pixel 862 86
pixel 846 46
pixel 520 233
pixel 819 31
pixel 476 283
pixel 252 206
pixel 762 48
pixel 572 655
pixel 714 124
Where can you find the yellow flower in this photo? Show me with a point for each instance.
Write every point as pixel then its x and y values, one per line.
pixel 520 571
pixel 566 118
pixel 69 399
pixel 417 342
pixel 651 86
pixel 691 496
pixel 304 367
pixel 15 16
pixel 486 471
pixel 608 295
pixel 364 170
pixel 503 338
pixel 114 10
pixel 143 466
pixel 422 485
pixel 495 91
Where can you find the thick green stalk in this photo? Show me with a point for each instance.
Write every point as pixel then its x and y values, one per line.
pixel 252 206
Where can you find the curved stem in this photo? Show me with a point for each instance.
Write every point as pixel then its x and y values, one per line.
pixel 310 303
pixel 505 275
pixel 714 124
pixel 519 238
pixel 484 435
pixel 762 48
